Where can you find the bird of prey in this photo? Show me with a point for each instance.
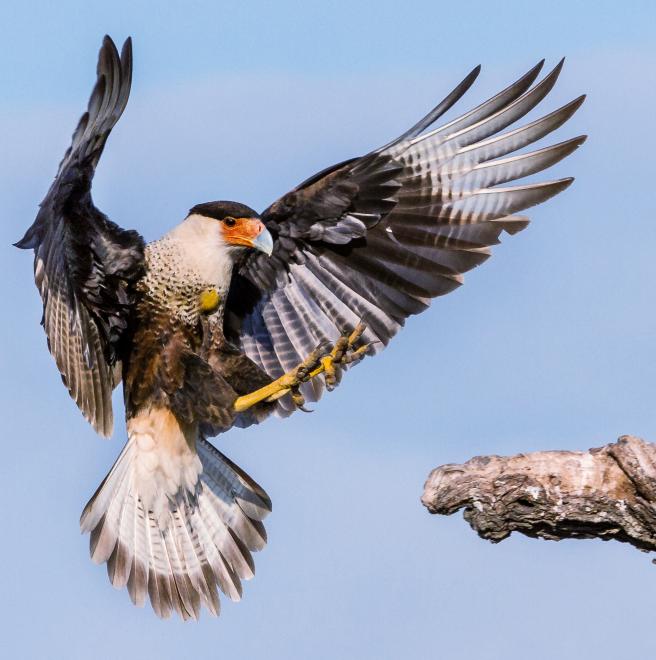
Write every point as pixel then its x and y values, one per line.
pixel 234 315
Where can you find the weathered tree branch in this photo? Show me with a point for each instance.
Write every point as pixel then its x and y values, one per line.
pixel 608 492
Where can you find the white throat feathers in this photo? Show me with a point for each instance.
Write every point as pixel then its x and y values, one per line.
pixel 204 252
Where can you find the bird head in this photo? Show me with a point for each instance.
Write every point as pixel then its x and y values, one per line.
pixel 239 226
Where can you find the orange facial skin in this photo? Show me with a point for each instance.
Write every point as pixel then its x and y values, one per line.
pixel 241 231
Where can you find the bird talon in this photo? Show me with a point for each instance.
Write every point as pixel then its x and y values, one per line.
pixel 326 359
pixel 298 398
pixel 330 376
pixel 358 354
pixel 358 331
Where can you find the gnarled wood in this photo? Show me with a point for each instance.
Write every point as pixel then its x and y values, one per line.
pixel 607 492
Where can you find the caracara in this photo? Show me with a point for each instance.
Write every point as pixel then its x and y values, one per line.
pixel 233 315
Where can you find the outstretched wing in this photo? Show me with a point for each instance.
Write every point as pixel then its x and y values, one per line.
pixel 84 264
pixel 376 237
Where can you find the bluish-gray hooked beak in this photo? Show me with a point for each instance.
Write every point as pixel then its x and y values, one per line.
pixel 264 242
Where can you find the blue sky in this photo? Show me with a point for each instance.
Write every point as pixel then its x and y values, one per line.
pixel 548 345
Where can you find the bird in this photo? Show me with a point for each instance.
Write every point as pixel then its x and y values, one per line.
pixel 233 316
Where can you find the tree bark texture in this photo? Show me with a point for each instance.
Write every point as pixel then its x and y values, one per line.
pixel 608 492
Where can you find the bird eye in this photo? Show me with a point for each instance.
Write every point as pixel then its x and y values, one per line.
pixel 229 222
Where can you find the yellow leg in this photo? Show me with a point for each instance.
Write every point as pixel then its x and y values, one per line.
pixel 314 365
pixel 272 391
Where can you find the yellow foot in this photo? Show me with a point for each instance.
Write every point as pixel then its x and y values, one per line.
pixel 324 359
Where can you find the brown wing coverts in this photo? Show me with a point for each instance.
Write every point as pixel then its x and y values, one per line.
pixel 377 237
pixel 85 264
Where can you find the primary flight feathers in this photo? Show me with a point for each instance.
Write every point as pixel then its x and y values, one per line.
pixel 378 236
pixel 83 262
pixel 205 315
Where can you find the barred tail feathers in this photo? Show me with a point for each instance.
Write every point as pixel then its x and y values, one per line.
pixel 175 518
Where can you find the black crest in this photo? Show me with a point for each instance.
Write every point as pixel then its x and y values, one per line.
pixel 221 210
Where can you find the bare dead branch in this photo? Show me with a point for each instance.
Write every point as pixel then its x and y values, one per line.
pixel 608 492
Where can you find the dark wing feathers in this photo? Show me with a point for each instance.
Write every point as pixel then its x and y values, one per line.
pixel 377 237
pixel 85 265
pixel 444 106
